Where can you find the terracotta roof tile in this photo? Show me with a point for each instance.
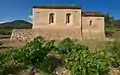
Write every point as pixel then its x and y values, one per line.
pixel 92 13
pixel 58 6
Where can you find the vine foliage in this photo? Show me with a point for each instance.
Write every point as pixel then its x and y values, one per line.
pixel 75 57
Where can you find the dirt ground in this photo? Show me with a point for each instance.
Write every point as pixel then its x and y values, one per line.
pixel 8 44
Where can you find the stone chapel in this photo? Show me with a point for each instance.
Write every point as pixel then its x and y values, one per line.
pixel 68 21
pixel 61 21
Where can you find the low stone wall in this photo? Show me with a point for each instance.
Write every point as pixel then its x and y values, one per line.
pixel 49 33
pixel 56 33
pixel 22 35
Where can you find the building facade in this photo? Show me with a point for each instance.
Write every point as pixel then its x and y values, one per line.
pixel 58 21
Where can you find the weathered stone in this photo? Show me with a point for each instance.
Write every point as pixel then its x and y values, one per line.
pixel 62 71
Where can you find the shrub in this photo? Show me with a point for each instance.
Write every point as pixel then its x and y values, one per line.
pixel 109 32
pixel 77 57
pixel 1 43
pixel 81 62
pixel 65 46
pixel 113 50
pixel 5 31
pixel 34 53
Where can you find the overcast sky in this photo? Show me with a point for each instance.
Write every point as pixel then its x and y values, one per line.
pixel 22 9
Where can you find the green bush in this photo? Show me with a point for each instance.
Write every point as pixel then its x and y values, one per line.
pixel 81 62
pixel 34 53
pixel 109 32
pixel 5 31
pixel 65 46
pixel 1 43
pixel 113 50
pixel 77 57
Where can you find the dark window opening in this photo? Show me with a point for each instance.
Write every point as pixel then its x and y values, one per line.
pixel 90 22
pixel 51 18
pixel 68 17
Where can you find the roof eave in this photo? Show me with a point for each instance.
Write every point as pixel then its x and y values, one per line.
pixel 57 7
pixel 93 15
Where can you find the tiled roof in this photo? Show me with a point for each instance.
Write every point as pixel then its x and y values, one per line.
pixel 58 6
pixel 92 13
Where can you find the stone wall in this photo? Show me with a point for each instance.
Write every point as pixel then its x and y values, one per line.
pixel 41 17
pixel 49 33
pixel 95 30
pixel 22 34
pixel 58 33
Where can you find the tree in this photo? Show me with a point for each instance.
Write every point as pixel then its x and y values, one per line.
pixel 109 25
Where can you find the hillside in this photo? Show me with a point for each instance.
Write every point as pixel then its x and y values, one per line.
pixel 6 28
pixel 17 24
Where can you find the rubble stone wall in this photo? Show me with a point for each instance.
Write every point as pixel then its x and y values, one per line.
pixel 49 33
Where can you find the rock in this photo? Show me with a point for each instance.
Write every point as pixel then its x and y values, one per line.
pixel 62 71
